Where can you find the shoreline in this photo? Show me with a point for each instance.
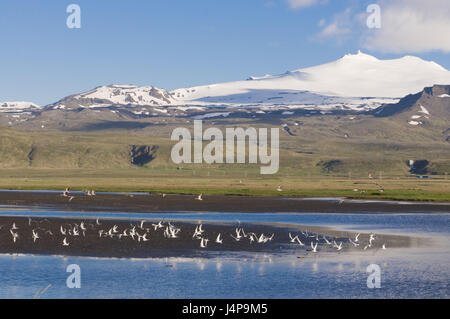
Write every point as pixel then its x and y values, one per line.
pixel 400 195
pixel 153 203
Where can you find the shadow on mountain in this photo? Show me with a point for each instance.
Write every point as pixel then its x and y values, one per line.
pixel 271 96
pixel 142 154
pixel 120 125
pixel 392 109
pixel 419 167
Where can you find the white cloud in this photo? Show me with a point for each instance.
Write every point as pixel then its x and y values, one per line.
pixel 411 26
pixel 297 4
pixel 339 26
pixel 333 29
pixel 321 22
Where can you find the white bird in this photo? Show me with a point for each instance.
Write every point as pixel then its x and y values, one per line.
pixel 14 227
pixel 300 242
pixel 371 239
pixel 353 243
pixel 133 232
pixel 200 197
pixel 124 234
pixel 63 231
pixel 15 236
pixel 339 247
pixel 357 238
pixel 158 226
pixel 262 239
pixel 166 233
pixel 219 240
pixel 204 243
pixel 279 188
pixel 172 231
pixel 235 238
pixel 97 222
pixel 383 247
pixel 110 233
pixel 293 239
pixel 35 235
pixel 326 240
pixel 65 243
pixel 82 226
pixel 198 232
pixel 314 247
pixel 141 237
pixel 141 226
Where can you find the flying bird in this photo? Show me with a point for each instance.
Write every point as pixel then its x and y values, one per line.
pixel 204 243
pixel 35 236
pixel 65 243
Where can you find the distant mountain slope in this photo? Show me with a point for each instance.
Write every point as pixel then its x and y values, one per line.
pixel 117 95
pixel 18 107
pixel 353 76
pixel 14 113
pixel 425 115
pixel 436 97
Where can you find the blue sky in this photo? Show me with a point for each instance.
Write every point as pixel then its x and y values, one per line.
pixel 181 43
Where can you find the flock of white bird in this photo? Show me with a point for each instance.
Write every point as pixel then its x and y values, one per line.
pixel 143 231
pixel 332 243
pixel 140 232
pixel 91 193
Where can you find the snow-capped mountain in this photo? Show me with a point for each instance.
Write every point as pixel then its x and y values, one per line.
pixel 358 81
pixel 116 95
pixel 18 107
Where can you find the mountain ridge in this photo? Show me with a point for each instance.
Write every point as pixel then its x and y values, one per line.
pixel 354 75
pixel 355 83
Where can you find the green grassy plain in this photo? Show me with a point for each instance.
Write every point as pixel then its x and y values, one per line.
pixel 326 157
pixel 225 183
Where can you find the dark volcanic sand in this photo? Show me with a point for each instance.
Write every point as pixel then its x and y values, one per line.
pixel 92 245
pixel 187 203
